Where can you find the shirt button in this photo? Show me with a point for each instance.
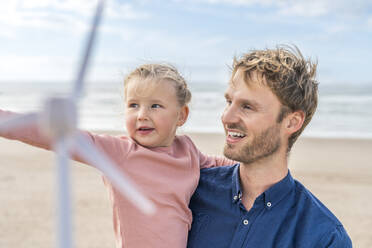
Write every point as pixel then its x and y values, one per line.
pixel 245 222
pixel 268 204
pixel 235 197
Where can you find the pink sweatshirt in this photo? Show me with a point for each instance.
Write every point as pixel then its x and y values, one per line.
pixel 166 175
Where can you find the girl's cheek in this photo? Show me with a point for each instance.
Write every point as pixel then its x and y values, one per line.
pixel 129 124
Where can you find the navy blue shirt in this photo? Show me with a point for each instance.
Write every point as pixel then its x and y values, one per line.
pixel 286 215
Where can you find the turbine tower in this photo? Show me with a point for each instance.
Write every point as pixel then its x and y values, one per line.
pixel 58 120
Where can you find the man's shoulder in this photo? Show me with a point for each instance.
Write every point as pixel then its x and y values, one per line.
pixel 220 179
pixel 312 204
pixel 218 173
pixel 319 218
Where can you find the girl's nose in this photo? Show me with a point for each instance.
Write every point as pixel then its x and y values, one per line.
pixel 142 114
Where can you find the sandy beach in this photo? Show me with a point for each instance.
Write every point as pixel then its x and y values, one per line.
pixel 337 171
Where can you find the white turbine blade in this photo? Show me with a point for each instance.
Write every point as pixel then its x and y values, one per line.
pixel 88 50
pixel 18 121
pixel 88 152
pixel 65 239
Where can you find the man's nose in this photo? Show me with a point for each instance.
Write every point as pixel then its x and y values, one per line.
pixel 229 115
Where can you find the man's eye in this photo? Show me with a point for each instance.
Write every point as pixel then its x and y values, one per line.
pixel 228 102
pixel 247 107
pixel 156 106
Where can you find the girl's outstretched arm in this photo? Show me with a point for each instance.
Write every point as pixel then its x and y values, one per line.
pixel 32 135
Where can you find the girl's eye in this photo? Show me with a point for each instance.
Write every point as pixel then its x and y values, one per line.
pixel 156 106
pixel 133 105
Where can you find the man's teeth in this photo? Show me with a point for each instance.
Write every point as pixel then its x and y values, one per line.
pixel 235 134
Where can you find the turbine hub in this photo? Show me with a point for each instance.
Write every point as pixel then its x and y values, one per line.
pixel 59 118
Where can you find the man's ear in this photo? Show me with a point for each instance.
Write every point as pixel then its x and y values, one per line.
pixel 184 113
pixel 294 121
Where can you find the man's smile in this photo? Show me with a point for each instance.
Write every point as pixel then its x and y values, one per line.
pixel 234 136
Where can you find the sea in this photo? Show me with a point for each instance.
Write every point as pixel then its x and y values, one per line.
pixel 344 109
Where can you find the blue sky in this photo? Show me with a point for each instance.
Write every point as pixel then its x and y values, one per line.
pixel 42 40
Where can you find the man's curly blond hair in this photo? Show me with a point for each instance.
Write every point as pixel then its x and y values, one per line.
pixel 289 75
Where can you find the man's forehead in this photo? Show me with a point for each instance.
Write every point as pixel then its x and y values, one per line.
pixel 251 91
pixel 237 91
pixel 239 81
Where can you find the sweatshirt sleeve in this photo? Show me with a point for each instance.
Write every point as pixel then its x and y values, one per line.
pixel 116 148
pixel 207 161
pixel 31 134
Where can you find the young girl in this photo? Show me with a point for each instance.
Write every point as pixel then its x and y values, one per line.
pixel 165 166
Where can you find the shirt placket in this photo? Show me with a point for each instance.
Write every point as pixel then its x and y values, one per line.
pixel 246 221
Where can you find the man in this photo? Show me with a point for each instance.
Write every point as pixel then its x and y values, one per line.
pixel 271 97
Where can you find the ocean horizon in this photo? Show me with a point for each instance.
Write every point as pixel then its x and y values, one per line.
pixel 344 110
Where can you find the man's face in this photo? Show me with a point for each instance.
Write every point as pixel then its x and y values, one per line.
pixel 250 120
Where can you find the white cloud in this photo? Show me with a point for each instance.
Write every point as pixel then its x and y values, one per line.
pixel 6 33
pixel 307 9
pixel 335 29
pixel 304 8
pixel 240 2
pixel 37 14
pixel 369 22
pixel 29 4
pixel 70 15
pixel 113 9
pixel 117 10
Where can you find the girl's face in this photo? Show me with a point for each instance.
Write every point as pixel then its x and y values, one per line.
pixel 152 114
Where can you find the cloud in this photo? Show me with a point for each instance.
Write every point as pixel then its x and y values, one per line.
pixel 6 33
pixel 335 29
pixel 125 11
pixel 114 9
pixel 369 22
pixel 303 8
pixel 240 2
pixel 70 15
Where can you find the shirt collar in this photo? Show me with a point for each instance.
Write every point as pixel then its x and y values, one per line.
pixel 271 196
pixel 236 192
pixel 278 191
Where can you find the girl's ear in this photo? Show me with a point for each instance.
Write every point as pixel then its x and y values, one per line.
pixel 184 113
pixel 294 121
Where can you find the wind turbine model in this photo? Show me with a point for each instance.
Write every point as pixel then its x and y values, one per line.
pixel 59 121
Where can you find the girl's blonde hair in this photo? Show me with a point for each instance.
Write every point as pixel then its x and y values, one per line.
pixel 152 74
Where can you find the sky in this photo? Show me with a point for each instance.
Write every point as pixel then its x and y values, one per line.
pixel 42 40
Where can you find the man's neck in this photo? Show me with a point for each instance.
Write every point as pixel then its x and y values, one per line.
pixel 256 178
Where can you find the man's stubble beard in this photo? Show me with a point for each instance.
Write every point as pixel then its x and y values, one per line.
pixel 262 146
